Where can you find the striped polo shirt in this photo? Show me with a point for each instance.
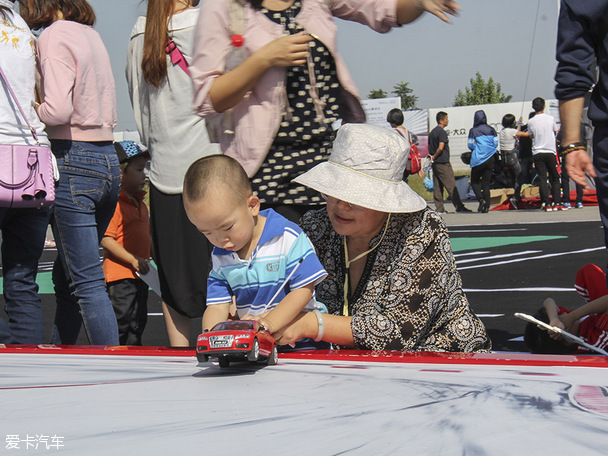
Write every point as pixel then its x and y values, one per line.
pixel 256 280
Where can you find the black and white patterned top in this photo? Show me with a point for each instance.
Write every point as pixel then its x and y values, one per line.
pixel 410 295
pixel 303 138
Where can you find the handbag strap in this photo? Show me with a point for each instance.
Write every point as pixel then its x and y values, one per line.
pixel 10 89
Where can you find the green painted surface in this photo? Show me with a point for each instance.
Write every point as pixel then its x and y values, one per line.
pixel 476 243
pixel 44 280
pixel 459 244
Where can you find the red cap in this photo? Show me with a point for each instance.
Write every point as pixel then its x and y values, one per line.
pixel 237 40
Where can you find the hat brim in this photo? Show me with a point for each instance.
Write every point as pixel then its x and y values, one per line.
pixel 363 190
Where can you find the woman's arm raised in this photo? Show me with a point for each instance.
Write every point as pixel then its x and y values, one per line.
pixel 409 10
pixel 230 88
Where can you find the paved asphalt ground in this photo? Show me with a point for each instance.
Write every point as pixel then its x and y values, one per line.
pixel 509 262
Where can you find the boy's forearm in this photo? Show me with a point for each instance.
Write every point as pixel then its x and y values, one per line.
pixel 117 251
pixel 597 306
pixel 551 307
pixel 215 314
pixel 289 308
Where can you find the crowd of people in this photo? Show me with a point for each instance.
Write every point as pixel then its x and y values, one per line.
pixel 235 104
pixel 519 155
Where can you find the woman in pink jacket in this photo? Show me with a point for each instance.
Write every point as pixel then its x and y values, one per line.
pixel 290 84
pixel 78 106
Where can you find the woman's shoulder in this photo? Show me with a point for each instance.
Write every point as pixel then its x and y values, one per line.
pixel 69 32
pixel 421 227
pixel 184 19
pixel 316 224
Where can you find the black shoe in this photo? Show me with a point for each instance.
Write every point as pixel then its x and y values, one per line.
pixel 463 209
pixel 486 208
pixel 482 204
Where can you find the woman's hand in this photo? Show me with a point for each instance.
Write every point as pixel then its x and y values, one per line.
pixel 303 326
pixel 289 50
pixel 440 8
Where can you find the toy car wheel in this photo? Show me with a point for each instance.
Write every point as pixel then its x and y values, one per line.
pixel 254 354
pixel 274 356
pixel 202 358
pixel 224 362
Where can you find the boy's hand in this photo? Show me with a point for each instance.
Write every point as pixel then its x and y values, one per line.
pixel 266 324
pixel 140 265
pixel 261 319
pixel 559 324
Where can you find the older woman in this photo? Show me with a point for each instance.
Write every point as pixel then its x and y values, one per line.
pixel 393 283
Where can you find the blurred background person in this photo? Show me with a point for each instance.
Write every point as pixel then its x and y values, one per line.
pixel 162 94
pixel 23 229
pixel 78 106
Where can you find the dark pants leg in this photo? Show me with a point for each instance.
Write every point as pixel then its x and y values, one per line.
pixel 546 167
pixel 526 170
pixel 23 234
pixel 130 302
pixel 600 162
pixel 444 175
pixel 481 175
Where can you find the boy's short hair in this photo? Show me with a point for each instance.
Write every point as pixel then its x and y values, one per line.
pixel 395 116
pixel 508 121
pixel 538 341
pixel 538 104
pixel 441 115
pixel 207 171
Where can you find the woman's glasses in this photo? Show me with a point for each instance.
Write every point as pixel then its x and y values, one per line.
pixel 332 200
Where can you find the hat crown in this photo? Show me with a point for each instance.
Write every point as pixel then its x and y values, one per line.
pixel 375 151
pixel 366 168
pixel 128 149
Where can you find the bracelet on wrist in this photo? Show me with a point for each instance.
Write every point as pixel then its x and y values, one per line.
pixel 572 147
pixel 321 327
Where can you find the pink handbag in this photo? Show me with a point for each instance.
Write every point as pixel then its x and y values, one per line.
pixel 26 172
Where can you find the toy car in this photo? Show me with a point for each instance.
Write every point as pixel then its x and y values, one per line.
pixel 236 340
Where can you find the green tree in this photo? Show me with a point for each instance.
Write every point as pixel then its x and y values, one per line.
pixel 408 99
pixel 377 93
pixel 481 92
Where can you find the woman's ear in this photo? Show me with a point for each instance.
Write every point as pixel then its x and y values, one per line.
pixel 253 203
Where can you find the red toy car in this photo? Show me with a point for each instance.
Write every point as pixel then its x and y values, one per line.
pixel 234 340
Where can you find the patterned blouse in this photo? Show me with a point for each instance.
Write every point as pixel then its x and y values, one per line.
pixel 410 295
pixel 303 139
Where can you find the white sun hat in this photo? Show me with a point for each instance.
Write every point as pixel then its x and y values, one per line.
pixel 366 168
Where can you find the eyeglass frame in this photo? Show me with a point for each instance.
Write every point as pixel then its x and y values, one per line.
pixel 330 199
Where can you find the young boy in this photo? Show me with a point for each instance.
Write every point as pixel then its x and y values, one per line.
pixel 126 246
pixel 589 322
pixel 255 251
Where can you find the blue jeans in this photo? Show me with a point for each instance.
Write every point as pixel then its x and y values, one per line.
pixel 23 235
pixel 85 199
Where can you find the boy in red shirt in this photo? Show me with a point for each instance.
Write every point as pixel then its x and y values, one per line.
pixel 126 246
pixel 589 322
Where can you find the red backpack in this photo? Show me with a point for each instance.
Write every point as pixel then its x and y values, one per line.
pixel 414 162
